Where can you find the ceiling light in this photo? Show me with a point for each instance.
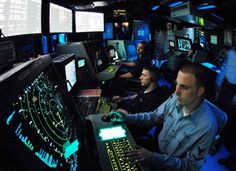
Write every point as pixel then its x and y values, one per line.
pixel 205 7
pixel 100 3
pixel 173 4
pixel 155 7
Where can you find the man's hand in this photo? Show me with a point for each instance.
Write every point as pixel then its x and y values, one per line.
pixel 138 154
pixel 117 116
pixel 116 99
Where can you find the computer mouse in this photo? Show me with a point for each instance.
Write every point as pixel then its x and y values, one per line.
pixel 111 115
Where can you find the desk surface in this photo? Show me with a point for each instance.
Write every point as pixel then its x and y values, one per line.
pixel 211 67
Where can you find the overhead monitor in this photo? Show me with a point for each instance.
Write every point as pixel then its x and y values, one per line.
pixel 60 19
pixel 184 44
pixel 20 17
pixel 119 13
pixel 89 22
pixel 44 44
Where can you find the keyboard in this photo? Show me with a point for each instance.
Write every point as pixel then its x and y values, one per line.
pixel 103 105
pixel 112 140
pixel 110 69
pixel 115 151
pixel 108 73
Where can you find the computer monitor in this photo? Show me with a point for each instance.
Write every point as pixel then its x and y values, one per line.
pixel 108 31
pixel 171 44
pixel 112 54
pixel 213 39
pixel 99 57
pixel 62 38
pixel 44 44
pixel 66 66
pixel 53 42
pixel 141 31
pixel 20 17
pixel 36 120
pixel 60 19
pixel 119 45
pixel 70 72
pixel 89 21
pixel 183 44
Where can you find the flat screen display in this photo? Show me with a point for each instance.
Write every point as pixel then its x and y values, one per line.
pixel 108 32
pixel 213 39
pixel 171 44
pixel 89 22
pixel 44 44
pixel 70 72
pixel 119 46
pixel 60 19
pixel 184 44
pixel 20 17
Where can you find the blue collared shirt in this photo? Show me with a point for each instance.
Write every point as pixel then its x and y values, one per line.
pixel 230 67
pixel 184 141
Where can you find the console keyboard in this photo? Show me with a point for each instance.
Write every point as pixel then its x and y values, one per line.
pixel 110 69
pixel 103 105
pixel 115 150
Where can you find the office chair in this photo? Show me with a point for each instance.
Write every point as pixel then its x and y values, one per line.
pixel 221 119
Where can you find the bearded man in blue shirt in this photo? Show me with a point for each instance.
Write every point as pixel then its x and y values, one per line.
pixel 189 125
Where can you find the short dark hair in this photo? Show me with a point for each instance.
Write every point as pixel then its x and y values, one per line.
pixel 154 72
pixel 198 71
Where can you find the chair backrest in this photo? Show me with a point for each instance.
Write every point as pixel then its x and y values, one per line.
pixel 220 115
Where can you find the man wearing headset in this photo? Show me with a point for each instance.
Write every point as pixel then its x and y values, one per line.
pixel 148 98
pixel 189 126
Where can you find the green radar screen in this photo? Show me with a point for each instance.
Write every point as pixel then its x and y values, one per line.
pixel 41 121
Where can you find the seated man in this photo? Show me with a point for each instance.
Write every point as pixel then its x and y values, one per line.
pixel 148 99
pixel 135 68
pixel 122 82
pixel 195 47
pixel 189 125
